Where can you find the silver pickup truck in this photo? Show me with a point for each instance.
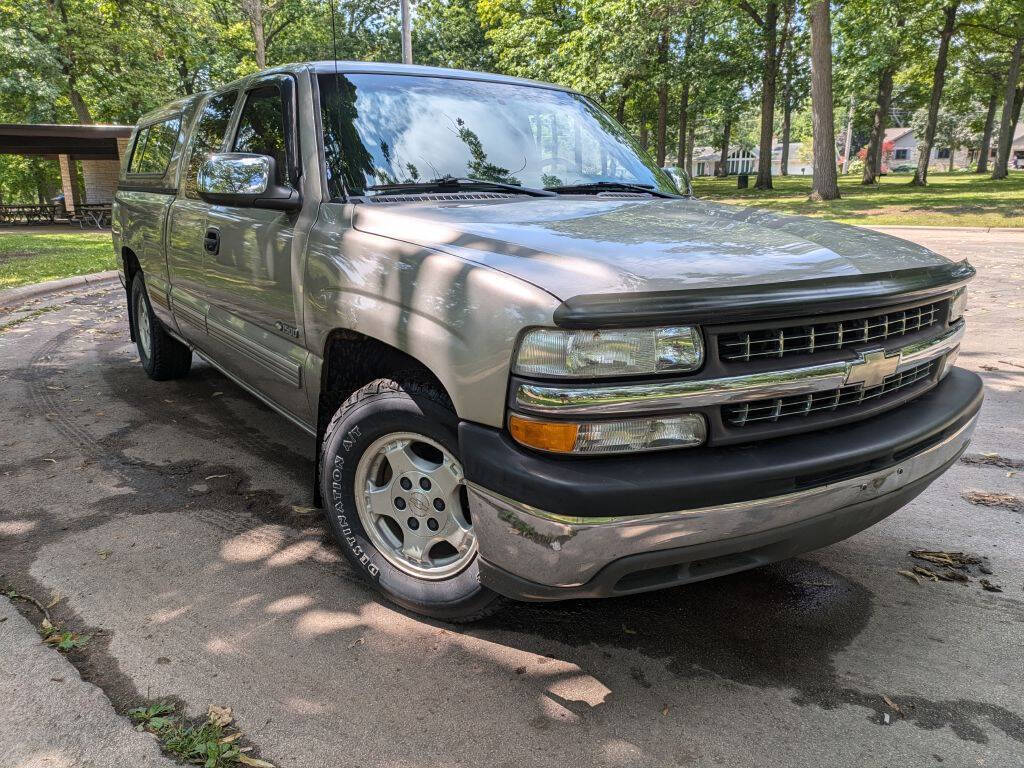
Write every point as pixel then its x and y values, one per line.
pixel 533 369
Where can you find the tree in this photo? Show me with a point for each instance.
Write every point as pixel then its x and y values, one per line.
pixel 795 89
pixel 925 148
pixel 1008 121
pixel 773 43
pixel 824 185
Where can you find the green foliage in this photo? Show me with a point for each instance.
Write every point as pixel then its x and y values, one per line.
pixel 212 743
pixel 113 60
pixel 34 257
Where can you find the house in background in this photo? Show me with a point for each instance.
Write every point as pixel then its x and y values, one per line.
pixel 905 153
pixel 706 161
pixel 1016 148
pixel 799 162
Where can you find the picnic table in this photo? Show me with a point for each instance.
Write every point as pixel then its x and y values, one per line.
pixel 94 214
pixel 27 214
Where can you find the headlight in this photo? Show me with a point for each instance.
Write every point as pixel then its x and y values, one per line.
pixel 957 305
pixel 624 352
pixel 651 433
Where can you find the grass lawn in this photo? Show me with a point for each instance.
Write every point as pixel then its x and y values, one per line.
pixel 949 200
pixel 32 257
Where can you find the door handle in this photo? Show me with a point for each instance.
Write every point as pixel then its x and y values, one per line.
pixel 211 241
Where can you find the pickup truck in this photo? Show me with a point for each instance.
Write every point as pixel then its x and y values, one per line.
pixel 532 368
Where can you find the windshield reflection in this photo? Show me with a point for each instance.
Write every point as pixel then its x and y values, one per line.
pixel 394 129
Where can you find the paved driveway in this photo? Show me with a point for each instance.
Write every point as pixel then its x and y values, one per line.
pixel 173 521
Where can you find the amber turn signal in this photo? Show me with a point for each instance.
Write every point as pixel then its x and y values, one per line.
pixel 555 436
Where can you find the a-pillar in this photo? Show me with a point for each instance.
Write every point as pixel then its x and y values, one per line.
pixel 69 181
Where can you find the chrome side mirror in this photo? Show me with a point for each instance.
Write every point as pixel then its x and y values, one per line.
pixel 244 180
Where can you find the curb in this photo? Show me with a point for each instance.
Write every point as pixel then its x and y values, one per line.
pixel 16 295
pixel 989 230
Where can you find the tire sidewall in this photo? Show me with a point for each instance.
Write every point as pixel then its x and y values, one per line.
pixel 345 443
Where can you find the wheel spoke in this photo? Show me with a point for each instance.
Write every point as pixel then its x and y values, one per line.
pixel 402 459
pixel 458 536
pixel 415 547
pixel 445 481
pixel 378 498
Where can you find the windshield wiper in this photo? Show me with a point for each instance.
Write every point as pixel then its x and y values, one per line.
pixel 453 184
pixel 608 186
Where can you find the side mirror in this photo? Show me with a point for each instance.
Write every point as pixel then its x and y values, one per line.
pixel 681 179
pixel 244 181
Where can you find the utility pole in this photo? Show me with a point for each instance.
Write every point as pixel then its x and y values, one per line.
pixel 849 136
pixel 406 33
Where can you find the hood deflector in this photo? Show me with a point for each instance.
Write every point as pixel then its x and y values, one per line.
pixel 805 297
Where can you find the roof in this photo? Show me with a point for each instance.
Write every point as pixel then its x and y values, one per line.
pixel 895 134
pixel 88 141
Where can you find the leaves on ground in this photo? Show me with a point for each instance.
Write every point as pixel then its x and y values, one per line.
pixel 1000 500
pixel 988 586
pixel 992 460
pixel 893 706
pixel 958 566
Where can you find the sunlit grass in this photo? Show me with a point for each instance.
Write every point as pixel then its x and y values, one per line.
pixel 33 257
pixel 949 200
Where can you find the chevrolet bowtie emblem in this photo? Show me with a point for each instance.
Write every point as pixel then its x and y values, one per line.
pixel 872 368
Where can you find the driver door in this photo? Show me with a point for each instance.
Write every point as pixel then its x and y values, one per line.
pixel 254 319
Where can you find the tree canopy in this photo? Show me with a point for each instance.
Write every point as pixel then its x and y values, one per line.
pixel 680 74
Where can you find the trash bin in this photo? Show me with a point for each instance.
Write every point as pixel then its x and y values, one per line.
pixel 743 181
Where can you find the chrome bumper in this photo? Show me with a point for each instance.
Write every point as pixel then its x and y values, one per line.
pixel 560 551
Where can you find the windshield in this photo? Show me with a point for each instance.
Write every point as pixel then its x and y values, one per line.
pixel 393 129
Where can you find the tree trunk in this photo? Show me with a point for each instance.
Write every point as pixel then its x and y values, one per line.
pixel 952 157
pixel 824 185
pixel 80 107
pixel 1006 125
pixel 662 122
pixel 873 159
pixel 253 10
pixel 925 150
pixel 620 107
pixel 986 135
pixel 662 98
pixel 787 114
pixel 645 143
pixel 723 167
pixel 684 107
pixel 849 135
pixel 768 86
pixel 691 134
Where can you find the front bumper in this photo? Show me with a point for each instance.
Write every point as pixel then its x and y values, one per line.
pixel 558 531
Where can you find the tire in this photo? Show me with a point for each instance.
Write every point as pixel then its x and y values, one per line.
pixel 163 357
pixel 359 450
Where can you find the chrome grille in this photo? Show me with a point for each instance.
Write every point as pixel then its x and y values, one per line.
pixel 808 339
pixel 850 396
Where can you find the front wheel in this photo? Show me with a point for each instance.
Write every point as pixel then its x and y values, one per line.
pixel 397 503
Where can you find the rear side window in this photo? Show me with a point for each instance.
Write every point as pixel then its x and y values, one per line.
pixel 261 128
pixel 154 146
pixel 208 136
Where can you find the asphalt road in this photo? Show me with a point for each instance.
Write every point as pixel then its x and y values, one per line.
pixel 172 521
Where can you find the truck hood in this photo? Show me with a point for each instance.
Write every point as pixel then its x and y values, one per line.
pixel 576 245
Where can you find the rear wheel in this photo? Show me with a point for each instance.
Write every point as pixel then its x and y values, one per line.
pixel 397 500
pixel 163 357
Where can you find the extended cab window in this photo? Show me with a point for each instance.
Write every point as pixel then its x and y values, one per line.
pixel 208 136
pixel 154 146
pixel 261 128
